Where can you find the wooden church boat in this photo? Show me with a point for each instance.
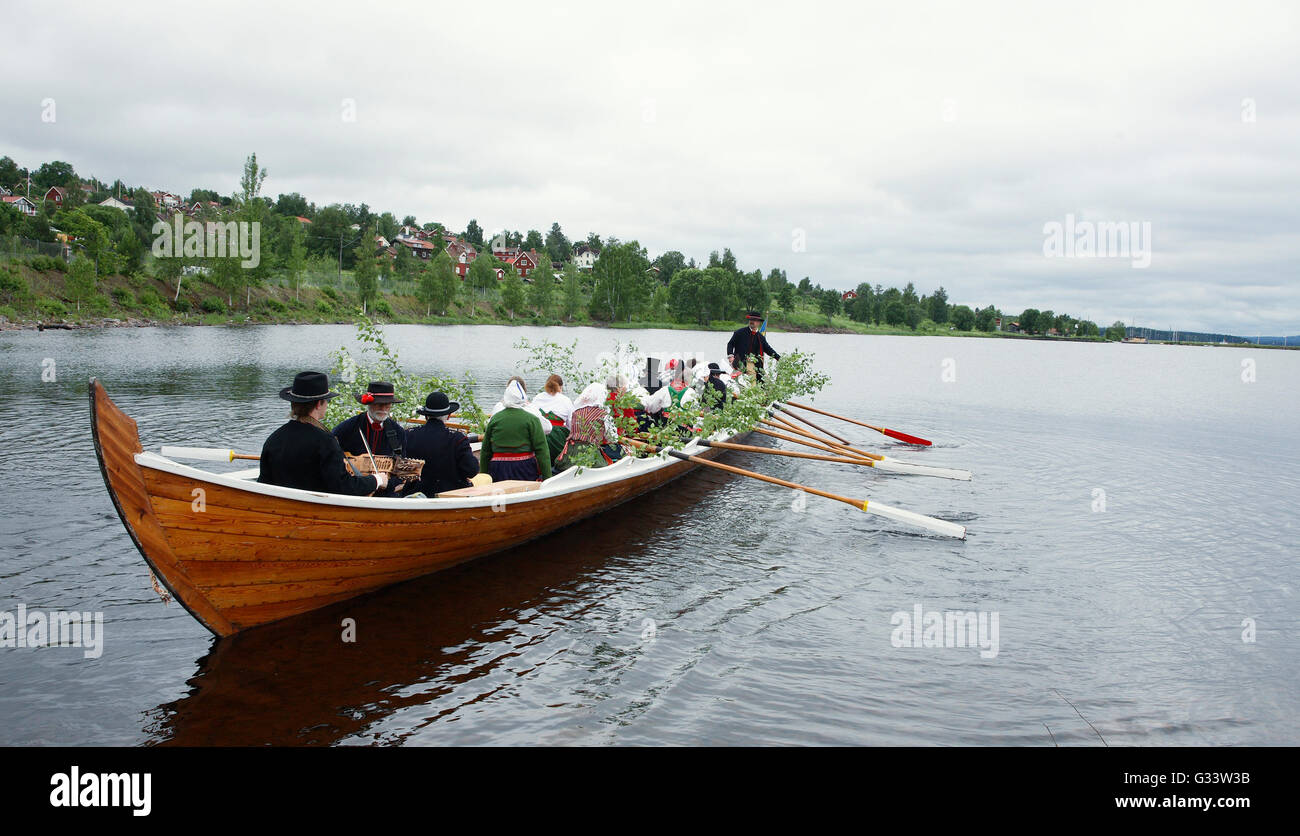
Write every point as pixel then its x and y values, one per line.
pixel 237 553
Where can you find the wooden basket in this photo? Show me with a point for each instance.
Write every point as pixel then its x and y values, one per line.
pixel 407 470
pixel 402 469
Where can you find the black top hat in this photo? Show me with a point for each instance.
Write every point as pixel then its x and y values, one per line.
pixel 754 315
pixel 309 387
pixel 437 406
pixel 378 391
pixel 714 368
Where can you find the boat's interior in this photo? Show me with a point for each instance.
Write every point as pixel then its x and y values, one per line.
pixel 568 481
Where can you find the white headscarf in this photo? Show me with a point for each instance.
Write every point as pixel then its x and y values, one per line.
pixel 514 396
pixel 593 395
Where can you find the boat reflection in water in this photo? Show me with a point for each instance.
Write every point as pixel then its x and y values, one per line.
pixel 439 645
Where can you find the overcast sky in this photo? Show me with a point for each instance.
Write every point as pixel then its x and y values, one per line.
pixel 897 141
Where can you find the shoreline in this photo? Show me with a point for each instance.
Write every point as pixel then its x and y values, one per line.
pixel 101 323
pixel 37 300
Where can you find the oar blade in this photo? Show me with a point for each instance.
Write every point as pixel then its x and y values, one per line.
pixel 910 439
pixel 203 454
pixel 891 466
pixel 935 526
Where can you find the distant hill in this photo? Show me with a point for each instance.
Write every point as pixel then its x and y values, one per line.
pixel 1202 337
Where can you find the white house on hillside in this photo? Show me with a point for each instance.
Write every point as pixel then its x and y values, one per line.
pixel 584 257
pixel 20 203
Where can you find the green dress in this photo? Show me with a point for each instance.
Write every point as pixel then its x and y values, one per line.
pixel 515 430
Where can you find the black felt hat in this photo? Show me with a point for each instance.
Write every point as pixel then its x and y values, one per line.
pixel 378 391
pixel 437 405
pixel 714 368
pixel 754 315
pixel 309 387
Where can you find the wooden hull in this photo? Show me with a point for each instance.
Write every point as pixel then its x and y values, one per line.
pixel 238 554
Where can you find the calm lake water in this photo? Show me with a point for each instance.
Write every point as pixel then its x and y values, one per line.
pixel 1132 524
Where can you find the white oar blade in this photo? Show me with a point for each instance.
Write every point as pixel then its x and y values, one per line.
pixel 888 465
pixel 204 454
pixel 943 527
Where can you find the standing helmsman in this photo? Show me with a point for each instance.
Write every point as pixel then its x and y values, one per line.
pixel 374 428
pixel 449 463
pixel 302 453
pixel 748 344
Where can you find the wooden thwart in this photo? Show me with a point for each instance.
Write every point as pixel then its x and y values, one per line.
pixel 504 486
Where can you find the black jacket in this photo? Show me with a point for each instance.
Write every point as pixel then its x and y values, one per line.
pixel 744 342
pixel 306 456
pixel 390 442
pixel 715 394
pixel 448 460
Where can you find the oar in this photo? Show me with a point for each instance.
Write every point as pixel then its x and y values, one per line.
pixel 841 439
pixel 837 446
pixel 948 529
pixel 213 454
pixel 206 454
pixel 808 442
pixel 901 436
pixel 794 454
pixel 449 424
pixel 884 464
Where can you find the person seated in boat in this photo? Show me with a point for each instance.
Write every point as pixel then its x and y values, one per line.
pixel 375 428
pixel 716 393
pixel 593 438
pixel 675 402
pixel 303 454
pixel 679 390
pixel 616 389
pixel 749 345
pixel 556 408
pixel 528 406
pixel 514 446
pixel 449 463
pixel 554 405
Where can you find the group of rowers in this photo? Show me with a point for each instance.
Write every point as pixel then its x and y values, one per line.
pixel 525 439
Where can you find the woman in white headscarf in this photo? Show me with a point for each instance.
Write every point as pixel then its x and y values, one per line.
pixel 514 446
pixel 590 431
pixel 680 392
pixel 528 405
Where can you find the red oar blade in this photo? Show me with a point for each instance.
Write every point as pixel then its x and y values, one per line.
pixel 910 439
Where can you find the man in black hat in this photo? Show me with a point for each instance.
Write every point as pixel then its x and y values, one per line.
pixel 302 453
pixel 375 428
pixel 747 342
pixel 448 460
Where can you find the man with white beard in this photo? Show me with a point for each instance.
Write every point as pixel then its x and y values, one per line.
pixel 384 436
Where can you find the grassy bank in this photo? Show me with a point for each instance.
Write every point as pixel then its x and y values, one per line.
pixel 38 295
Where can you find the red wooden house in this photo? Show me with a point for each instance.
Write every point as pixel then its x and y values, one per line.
pixel 524 263
pixel 423 249
pixel 462 255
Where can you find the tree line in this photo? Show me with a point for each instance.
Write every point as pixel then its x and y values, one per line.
pixel 625 284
